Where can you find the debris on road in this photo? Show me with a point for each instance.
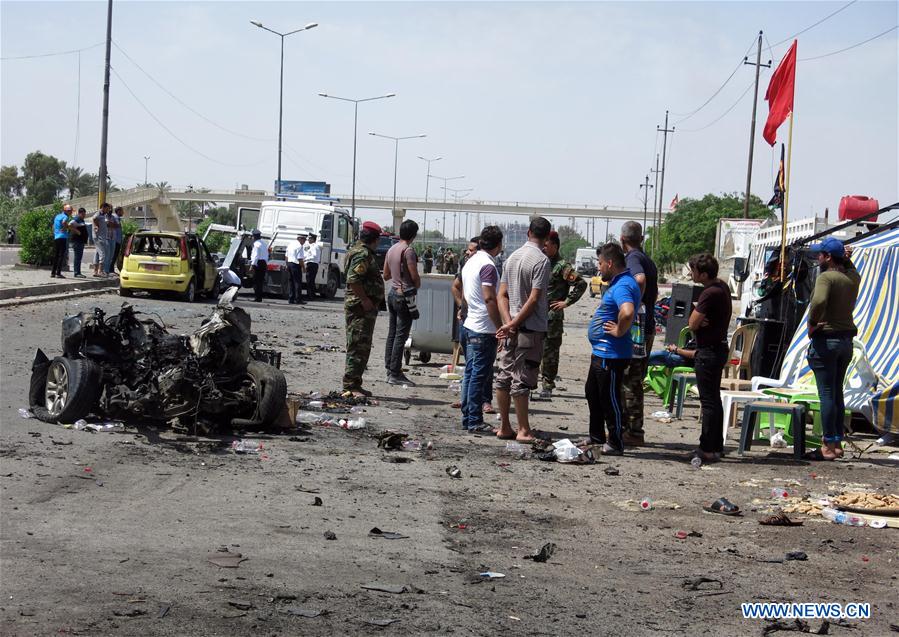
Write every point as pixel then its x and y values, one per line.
pixel 454 472
pixel 225 559
pixel 385 588
pixel 387 535
pixel 546 551
pixel 330 535
pixel 391 440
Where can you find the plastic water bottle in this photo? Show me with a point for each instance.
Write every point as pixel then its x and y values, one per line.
pixel 778 492
pixel 355 423
pixel 24 413
pixel 841 517
pixel 696 462
pixel 645 504
pixel 356 409
pixel 310 418
pixel 516 449
pixel 638 333
pixel 246 446
pixel 315 404
pixel 412 445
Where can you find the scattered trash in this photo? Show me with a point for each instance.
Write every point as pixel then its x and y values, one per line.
pixel 163 611
pixel 877 523
pixel 456 378
pixel 663 416
pixel 636 505
pixel 777 492
pixel 131 612
pixel 330 535
pixel 453 472
pixel 841 517
pixel 240 604
pixel 696 462
pixel 778 441
pixel 611 471
pixel 683 535
pixel 413 445
pixel 516 450
pixel 356 409
pixel 315 404
pixel 387 535
pixel 779 519
pixel 566 451
pixel 798 556
pixel 699 583
pixel 645 504
pixel 298 611
pixel 246 446
pixel 310 418
pixel 380 622
pixel 225 559
pixel 385 588
pixel 354 423
pixel 25 413
pixel 546 551
pixel 317 502
pixel 454 387
pixel 391 439
pixel 491 575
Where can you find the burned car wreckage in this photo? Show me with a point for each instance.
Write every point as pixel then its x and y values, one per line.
pixel 128 366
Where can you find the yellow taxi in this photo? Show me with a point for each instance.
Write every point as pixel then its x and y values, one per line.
pixel 597 286
pixel 167 262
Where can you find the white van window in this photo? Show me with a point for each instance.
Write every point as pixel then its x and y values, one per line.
pixel 343 229
pixel 267 218
pixel 327 228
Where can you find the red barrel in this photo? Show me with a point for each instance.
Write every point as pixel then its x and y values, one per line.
pixel 855 206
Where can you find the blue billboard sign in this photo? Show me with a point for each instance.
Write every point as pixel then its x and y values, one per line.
pixel 303 188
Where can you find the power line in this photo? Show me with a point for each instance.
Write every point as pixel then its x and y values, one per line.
pixel 720 88
pixel 178 139
pixel 824 19
pixel 720 117
pixel 827 55
pixel 47 55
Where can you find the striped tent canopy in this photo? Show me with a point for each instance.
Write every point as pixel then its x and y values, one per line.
pixel 876 315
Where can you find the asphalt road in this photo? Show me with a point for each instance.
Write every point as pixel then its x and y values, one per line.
pixel 108 534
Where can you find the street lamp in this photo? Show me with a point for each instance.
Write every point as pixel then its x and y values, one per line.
pixel 355 122
pixel 146 167
pixel 427 184
pixel 396 152
pixel 311 25
pixel 456 199
pixel 445 179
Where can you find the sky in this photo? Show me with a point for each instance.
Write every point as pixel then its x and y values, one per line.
pixel 530 101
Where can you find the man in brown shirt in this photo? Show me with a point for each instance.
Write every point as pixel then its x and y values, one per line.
pixel 709 322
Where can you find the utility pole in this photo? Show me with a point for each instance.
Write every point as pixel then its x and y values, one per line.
pixel 665 130
pixel 645 186
pixel 104 134
pixel 755 98
pixel 655 203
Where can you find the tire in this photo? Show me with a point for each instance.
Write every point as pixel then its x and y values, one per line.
pixel 125 291
pixel 271 395
pixel 424 357
pixel 190 294
pixel 71 389
pixel 592 294
pixel 329 290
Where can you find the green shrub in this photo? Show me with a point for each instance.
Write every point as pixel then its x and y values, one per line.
pixel 129 227
pixel 36 236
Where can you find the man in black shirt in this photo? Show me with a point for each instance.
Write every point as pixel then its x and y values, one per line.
pixel 709 322
pixel 647 276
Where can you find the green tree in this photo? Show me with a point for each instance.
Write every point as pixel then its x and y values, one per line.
pixel 78 182
pixel 36 236
pixel 10 182
pixel 43 177
pixel 690 229
pixel 216 241
pixel 569 242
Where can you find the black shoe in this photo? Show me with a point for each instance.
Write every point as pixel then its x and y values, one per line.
pixel 301 303
pixel 60 276
pixel 80 276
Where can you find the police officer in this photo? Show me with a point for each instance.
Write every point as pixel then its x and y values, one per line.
pixel 259 263
pixel 364 295
pixel 428 257
pixel 565 288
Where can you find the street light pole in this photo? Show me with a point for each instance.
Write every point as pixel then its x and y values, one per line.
pixel 355 127
pixel 311 25
pixel 427 184
pixel 104 130
pixel 445 179
pixel 146 168
pixel 396 154
pixel 456 199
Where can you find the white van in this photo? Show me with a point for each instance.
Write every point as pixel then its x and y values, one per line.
pixel 279 221
pixel 585 261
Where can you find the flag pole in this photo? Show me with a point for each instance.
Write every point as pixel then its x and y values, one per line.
pixel 783 228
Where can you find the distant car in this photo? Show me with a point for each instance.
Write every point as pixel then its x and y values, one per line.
pixel 386 242
pixel 597 286
pixel 168 262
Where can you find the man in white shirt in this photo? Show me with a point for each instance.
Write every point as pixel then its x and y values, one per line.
pixel 480 282
pixel 259 263
pixel 295 257
pixel 312 257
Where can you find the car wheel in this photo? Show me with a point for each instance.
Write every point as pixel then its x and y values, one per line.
pixel 190 294
pixel 592 294
pixel 126 291
pixel 71 388
pixel 331 286
pixel 424 357
pixel 270 387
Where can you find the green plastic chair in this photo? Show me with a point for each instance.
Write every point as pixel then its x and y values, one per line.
pixel 658 377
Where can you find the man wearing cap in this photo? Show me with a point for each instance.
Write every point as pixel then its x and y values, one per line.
pixel 364 295
pixel 60 237
pixel 566 287
pixel 295 269
pixel 312 256
pixel 831 330
pixel 259 263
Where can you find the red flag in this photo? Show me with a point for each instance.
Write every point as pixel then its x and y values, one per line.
pixel 780 94
pixel 674 202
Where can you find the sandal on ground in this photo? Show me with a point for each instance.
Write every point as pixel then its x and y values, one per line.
pixel 483 428
pixel 779 519
pixel 724 507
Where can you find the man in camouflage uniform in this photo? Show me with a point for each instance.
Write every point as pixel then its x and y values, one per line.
pixel 566 286
pixel 364 295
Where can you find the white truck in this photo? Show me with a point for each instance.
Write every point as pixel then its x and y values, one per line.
pixel 585 261
pixel 280 220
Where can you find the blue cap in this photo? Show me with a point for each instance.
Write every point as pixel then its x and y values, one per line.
pixel 830 246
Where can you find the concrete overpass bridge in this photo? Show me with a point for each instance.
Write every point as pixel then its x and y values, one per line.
pixel 157 205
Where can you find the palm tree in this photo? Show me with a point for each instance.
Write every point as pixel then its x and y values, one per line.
pixel 163 187
pixel 78 182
